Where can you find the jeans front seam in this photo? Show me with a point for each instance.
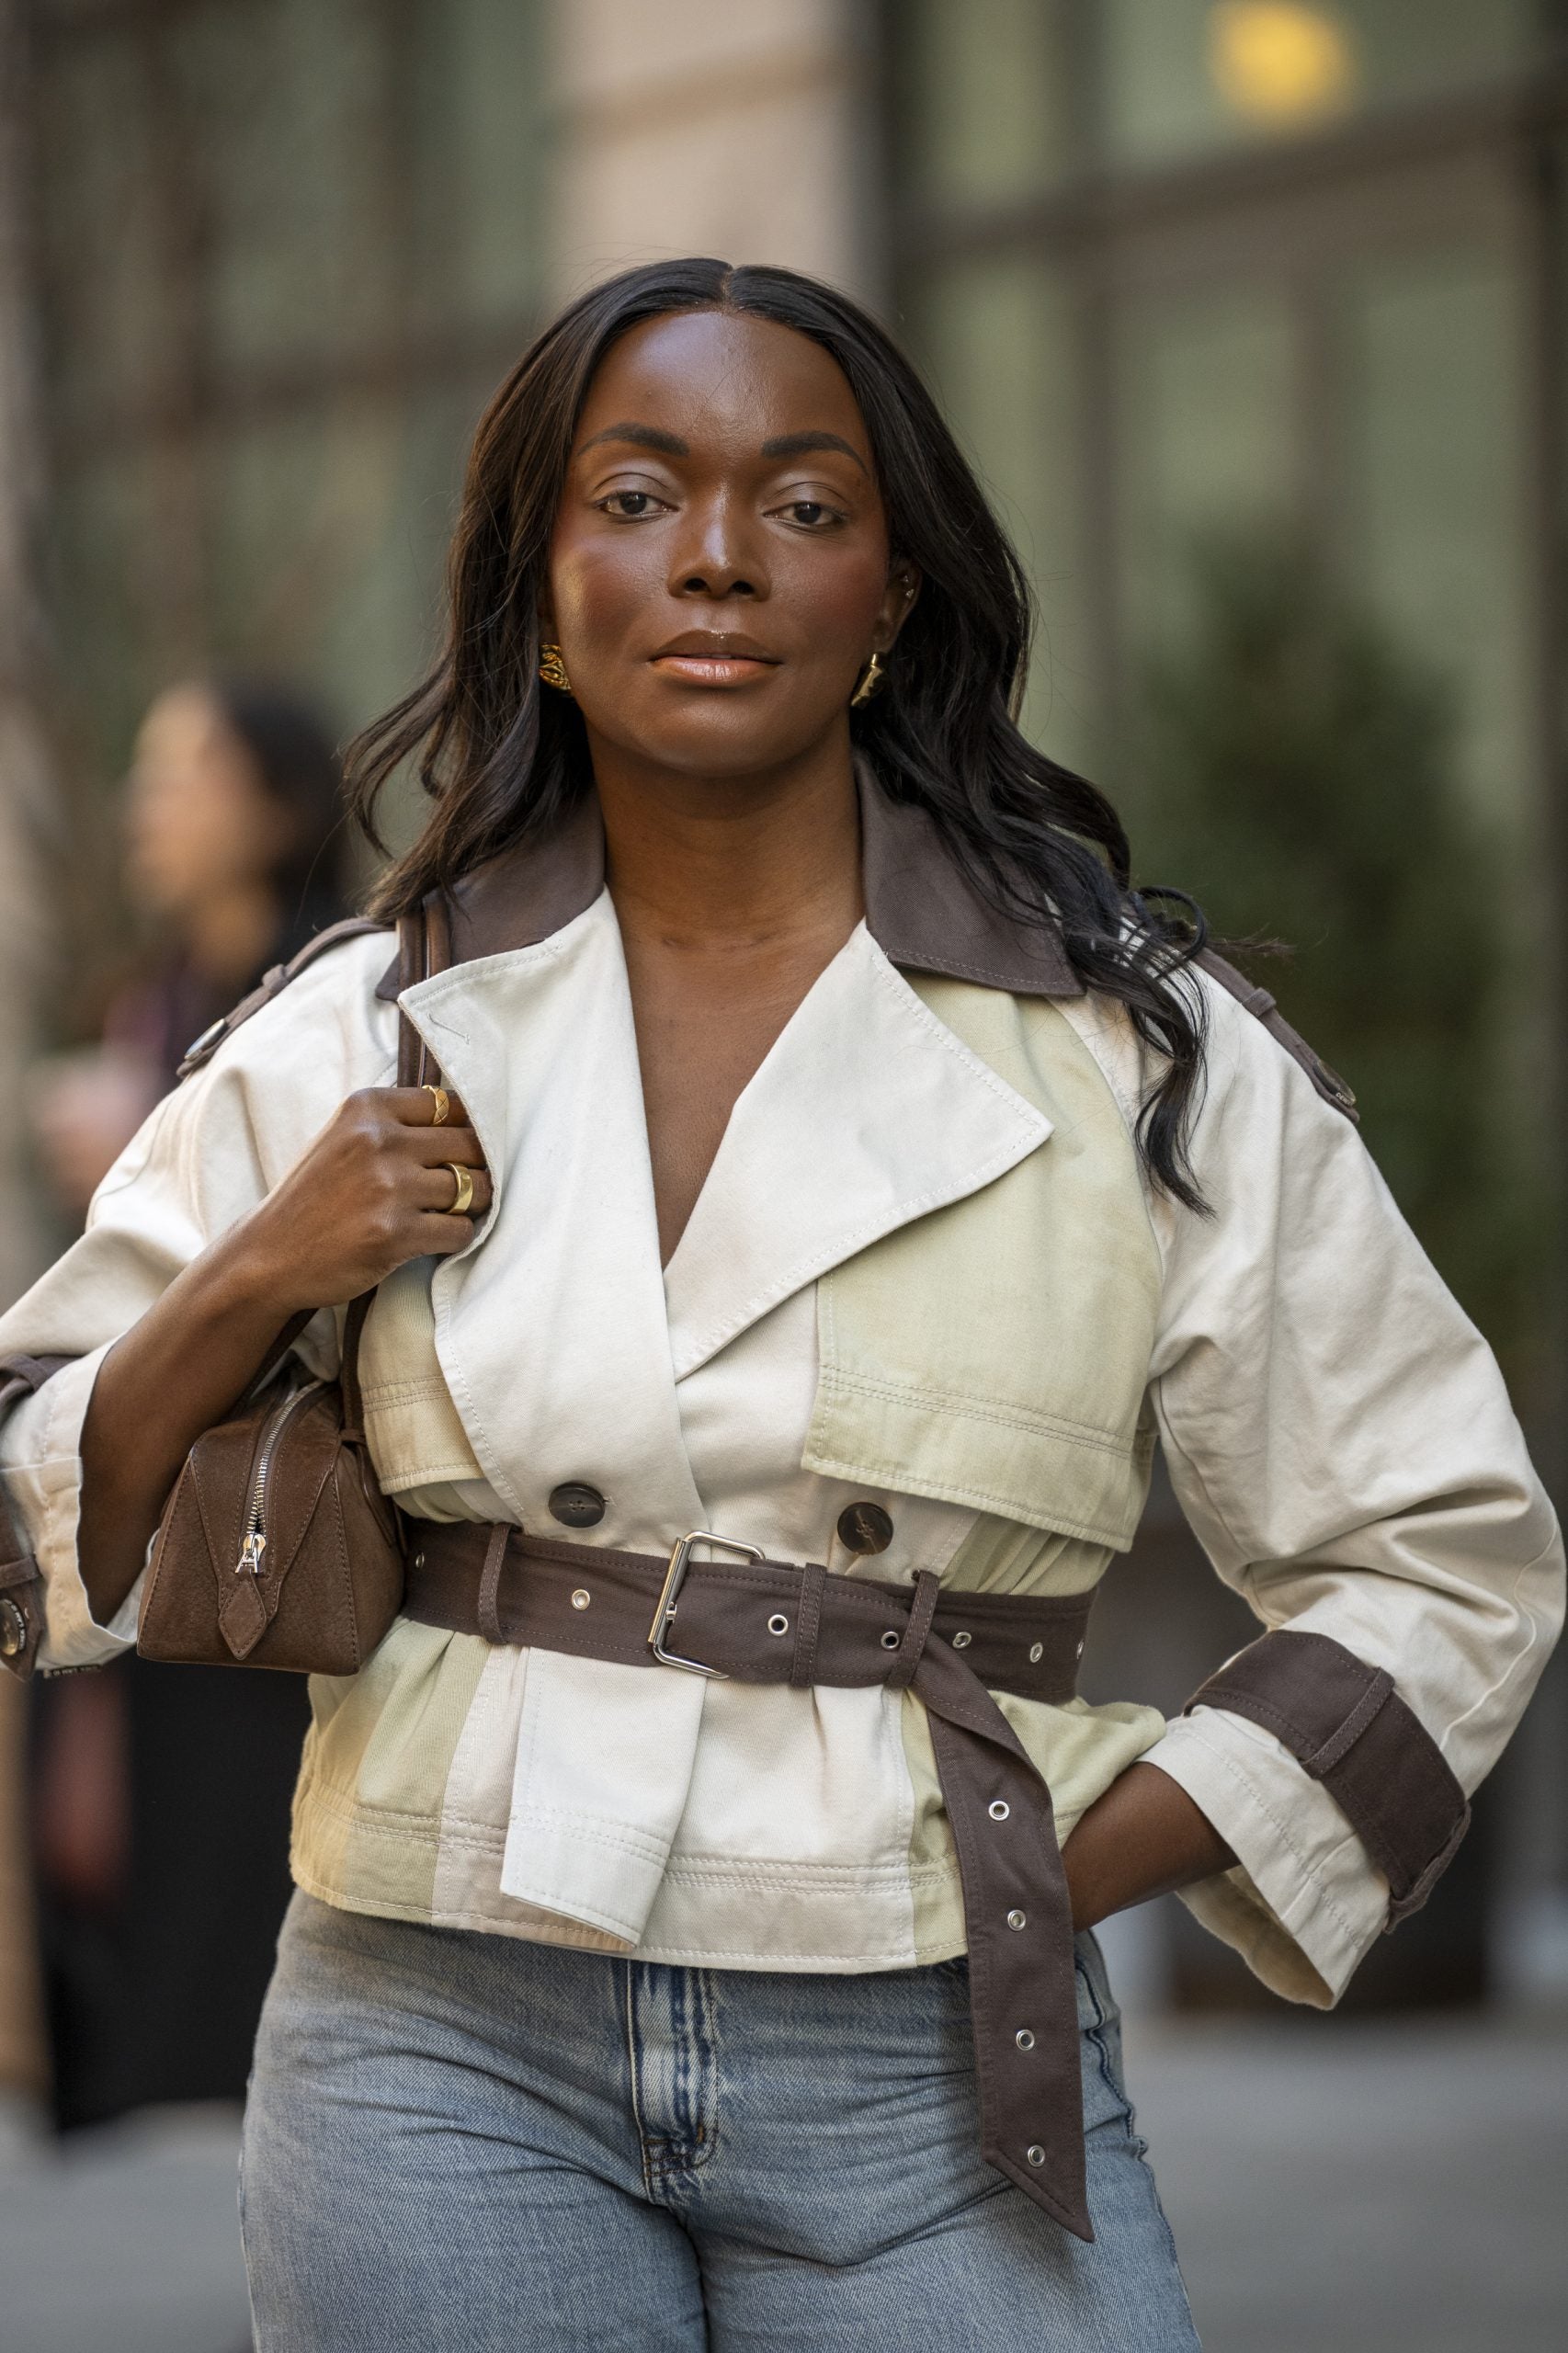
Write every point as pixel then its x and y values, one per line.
pixel 680 2003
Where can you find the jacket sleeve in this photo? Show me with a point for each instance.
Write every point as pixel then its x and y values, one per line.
pixel 1341 1441
pixel 206 1156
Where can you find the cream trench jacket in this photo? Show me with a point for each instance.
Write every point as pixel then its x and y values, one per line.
pixel 924 1271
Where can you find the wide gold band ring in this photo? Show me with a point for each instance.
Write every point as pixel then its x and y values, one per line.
pixel 463 1200
pixel 442 1101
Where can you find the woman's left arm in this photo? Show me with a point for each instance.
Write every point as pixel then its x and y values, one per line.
pixel 1341 1441
pixel 1143 1838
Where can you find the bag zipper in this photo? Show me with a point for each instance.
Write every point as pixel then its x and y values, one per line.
pixel 254 1543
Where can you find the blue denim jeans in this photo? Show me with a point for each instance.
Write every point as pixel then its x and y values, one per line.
pixel 468 2142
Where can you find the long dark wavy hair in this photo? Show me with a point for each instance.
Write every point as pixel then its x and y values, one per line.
pixel 503 761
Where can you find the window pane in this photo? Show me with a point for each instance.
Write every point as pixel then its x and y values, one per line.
pixel 983 106
pixel 1207 416
pixel 1435 496
pixel 998 339
pixel 1180 76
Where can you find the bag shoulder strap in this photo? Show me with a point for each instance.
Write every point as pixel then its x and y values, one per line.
pixel 424 948
pixel 201 1049
pixel 1262 1007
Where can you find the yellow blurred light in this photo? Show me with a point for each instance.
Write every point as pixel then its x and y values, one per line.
pixel 1279 62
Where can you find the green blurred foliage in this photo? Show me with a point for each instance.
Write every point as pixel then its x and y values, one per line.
pixel 1297 777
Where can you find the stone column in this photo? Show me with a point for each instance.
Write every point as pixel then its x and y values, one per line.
pixel 741 132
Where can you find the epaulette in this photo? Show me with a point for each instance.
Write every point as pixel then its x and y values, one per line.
pixel 201 1049
pixel 1261 1005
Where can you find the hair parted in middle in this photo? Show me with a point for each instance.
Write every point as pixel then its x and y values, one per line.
pixel 503 759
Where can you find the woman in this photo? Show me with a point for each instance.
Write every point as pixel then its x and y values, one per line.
pixel 161 1797
pixel 860 1173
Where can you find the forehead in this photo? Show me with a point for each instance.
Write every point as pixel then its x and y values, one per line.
pixel 718 375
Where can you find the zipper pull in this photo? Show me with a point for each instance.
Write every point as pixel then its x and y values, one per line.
pixel 251 1551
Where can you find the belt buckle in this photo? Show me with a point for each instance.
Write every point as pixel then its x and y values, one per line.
pixel 674 1578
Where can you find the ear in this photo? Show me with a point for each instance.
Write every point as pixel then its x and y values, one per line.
pixel 897 602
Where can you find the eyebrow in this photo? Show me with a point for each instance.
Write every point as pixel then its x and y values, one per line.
pixel 645 437
pixel 670 445
pixel 800 445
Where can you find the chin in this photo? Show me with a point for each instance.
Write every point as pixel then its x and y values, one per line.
pixel 720 743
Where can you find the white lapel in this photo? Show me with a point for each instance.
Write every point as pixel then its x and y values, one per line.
pixel 867 1113
pixel 551 1335
pixel 550 1329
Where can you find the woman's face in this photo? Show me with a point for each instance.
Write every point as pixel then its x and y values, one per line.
pixel 719 569
pixel 198 820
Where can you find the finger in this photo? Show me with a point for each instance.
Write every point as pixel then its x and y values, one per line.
pixel 434 1147
pixel 439 1191
pixel 439 1236
pixel 419 1107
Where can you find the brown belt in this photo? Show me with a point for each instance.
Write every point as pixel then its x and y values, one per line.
pixel 765 1622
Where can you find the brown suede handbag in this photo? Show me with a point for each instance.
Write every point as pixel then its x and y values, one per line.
pixel 276 1547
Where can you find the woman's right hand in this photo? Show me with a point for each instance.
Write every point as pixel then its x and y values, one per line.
pixel 370 1193
pixel 373 1190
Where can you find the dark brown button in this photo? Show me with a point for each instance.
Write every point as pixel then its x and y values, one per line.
pixel 13 1630
pixel 865 1528
pixel 576 1505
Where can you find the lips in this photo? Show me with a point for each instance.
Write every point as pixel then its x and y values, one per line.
pixel 714 658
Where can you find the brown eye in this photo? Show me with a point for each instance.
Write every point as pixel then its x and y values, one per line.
pixel 630 504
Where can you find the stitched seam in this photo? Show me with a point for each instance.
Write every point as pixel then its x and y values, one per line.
pixel 1309 1873
pixel 826 1879
pixel 839 1247
pixel 1522 1658
pixel 640 1845
pixel 717 1955
pixel 911 1001
pixel 1007 1416
pixel 1010 1506
pixel 424 1474
pixel 408 1390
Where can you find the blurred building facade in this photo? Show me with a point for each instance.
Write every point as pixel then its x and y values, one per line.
pixel 1295 269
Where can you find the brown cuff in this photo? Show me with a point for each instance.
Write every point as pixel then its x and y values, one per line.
pixel 1347 1725
pixel 21 1587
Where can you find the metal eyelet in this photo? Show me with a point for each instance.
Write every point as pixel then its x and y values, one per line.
pixel 962 1641
pixel 1024 2039
pixel 779 1623
pixel 1035 2153
pixel 1017 1919
pixel 582 1597
pixel 890 1640
pixel 1037 1651
pixel 998 1809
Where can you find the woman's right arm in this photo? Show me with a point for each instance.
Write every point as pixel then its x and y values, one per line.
pixel 369 1193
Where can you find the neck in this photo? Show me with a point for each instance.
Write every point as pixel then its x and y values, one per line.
pixel 733 862
pixel 227 935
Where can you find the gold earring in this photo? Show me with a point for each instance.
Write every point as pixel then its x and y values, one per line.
pixel 871 682
pixel 553 669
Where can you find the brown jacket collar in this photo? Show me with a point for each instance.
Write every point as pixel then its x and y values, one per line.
pixel 921 909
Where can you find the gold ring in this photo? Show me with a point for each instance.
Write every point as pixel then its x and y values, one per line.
pixel 463 1200
pixel 443 1103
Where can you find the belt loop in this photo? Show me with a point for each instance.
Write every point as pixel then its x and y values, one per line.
pixel 808 1617
pixel 490 1583
pixel 921 1610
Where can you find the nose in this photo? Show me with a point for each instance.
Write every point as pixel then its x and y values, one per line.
pixel 719 554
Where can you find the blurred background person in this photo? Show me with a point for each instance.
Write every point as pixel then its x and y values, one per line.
pixel 161 1794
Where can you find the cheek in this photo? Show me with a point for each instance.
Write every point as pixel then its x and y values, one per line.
pixel 833 591
pixel 597 592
